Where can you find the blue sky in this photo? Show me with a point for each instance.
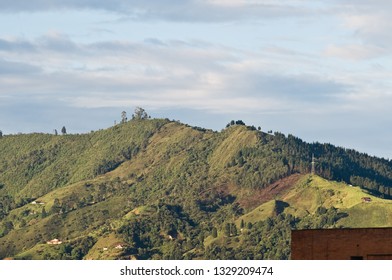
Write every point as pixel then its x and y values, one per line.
pixel 320 70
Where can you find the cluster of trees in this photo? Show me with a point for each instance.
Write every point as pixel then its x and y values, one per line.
pixel 6 227
pixel 169 233
pixel 7 203
pixel 107 165
pixel 233 122
pixel 165 232
pixel 139 114
pixel 95 193
pixel 240 122
pixel 335 163
pixel 268 239
pixel 63 131
pixel 277 156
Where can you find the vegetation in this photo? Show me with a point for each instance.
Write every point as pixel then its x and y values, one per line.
pixel 164 190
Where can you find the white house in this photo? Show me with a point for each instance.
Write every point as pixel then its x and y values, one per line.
pixel 54 242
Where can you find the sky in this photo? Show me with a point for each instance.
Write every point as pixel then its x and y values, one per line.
pixel 319 70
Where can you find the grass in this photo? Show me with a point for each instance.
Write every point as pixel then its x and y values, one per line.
pixel 312 192
pixel 373 214
pixel 104 248
pixel 34 164
pixel 38 252
pixel 237 137
pixel 260 213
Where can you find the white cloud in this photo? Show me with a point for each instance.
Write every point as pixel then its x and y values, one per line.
pixel 355 51
pixel 174 10
pixel 373 27
pixel 368 23
pixel 168 74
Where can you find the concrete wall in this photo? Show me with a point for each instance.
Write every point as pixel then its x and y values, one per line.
pixel 341 244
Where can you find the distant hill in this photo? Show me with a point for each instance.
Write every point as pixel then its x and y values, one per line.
pixel 159 189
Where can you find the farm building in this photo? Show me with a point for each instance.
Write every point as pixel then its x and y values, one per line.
pixel 54 242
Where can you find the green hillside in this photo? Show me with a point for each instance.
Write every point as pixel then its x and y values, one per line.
pixel 311 193
pixel 165 190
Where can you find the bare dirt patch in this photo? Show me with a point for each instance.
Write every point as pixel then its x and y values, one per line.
pixel 257 197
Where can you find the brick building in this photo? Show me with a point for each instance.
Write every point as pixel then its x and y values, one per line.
pixel 342 244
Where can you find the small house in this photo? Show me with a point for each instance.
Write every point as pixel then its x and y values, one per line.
pixel 54 242
pixel 37 202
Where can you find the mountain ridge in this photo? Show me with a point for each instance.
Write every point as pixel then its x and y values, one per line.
pixel 191 182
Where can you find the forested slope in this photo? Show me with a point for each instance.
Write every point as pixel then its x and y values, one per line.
pixel 167 190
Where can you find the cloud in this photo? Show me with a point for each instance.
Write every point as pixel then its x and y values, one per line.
pixel 17 68
pixel 55 41
pixel 373 27
pixel 173 10
pixel 159 73
pixel 355 51
pixel 46 114
pixel 369 25
pixel 300 88
pixel 15 45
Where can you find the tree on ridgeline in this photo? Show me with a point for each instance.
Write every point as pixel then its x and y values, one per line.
pixel 140 114
pixel 124 117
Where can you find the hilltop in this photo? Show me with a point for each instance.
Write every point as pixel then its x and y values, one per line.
pixel 165 190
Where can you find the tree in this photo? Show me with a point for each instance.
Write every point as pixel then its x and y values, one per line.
pixel 22 223
pixel 55 132
pixel 43 213
pixel 8 226
pixel 227 230
pixel 1 133
pixel 214 232
pixel 65 249
pixel 233 230
pixel 56 206
pixel 124 117
pixel 140 114
pixel 64 130
pixel 76 253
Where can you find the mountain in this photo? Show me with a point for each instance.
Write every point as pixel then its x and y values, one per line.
pixel 159 189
